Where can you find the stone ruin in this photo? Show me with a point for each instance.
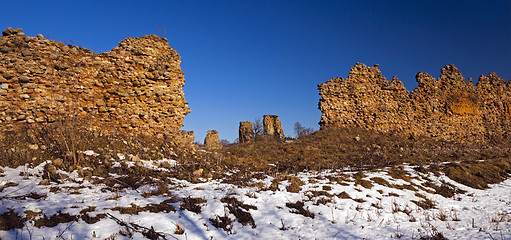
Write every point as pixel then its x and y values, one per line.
pixel 272 127
pixel 448 108
pixel 212 141
pixel 187 138
pixel 246 132
pixel 136 87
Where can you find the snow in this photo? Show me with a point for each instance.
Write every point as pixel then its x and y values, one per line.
pixel 381 212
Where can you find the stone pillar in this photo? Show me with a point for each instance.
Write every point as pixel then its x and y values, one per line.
pixel 212 141
pixel 246 132
pixel 272 126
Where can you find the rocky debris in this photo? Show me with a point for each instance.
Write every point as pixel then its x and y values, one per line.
pixel 10 31
pixel 246 132
pixel 448 108
pixel 136 87
pixel 33 147
pixel 198 172
pixel 212 141
pixel 272 126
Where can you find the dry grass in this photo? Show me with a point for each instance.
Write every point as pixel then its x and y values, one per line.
pixel 68 138
pixel 425 203
pixel 478 174
pixel 335 148
pixel 54 220
pixel 10 220
pixel 338 148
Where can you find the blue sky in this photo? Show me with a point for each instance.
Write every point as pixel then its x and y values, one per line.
pixel 244 59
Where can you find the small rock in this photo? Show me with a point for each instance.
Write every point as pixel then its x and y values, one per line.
pixel 40 36
pixel 2 41
pixel 24 96
pixel 51 169
pixel 4 86
pixel 1 170
pixel 23 79
pixel 16 31
pixel 198 172
pixel 70 154
pixel 44 182
pixel 7 75
pixel 26 53
pixel 58 161
pixel 357 138
pixel 33 147
pixel 134 158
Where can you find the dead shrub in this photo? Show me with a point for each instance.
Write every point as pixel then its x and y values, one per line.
pixel 425 203
pixel 192 204
pixel 224 223
pixel 179 230
pixel 297 208
pixel 240 211
pixel 84 215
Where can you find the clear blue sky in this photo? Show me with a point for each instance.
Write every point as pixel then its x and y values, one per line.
pixel 244 59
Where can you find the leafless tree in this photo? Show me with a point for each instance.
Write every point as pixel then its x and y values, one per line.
pixel 225 142
pixel 301 131
pixel 258 127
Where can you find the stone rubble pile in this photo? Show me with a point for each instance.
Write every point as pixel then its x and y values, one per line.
pixel 448 108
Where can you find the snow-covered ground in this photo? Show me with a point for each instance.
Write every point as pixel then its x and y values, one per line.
pixel 335 206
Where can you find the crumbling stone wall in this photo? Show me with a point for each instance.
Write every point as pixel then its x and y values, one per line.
pixel 136 86
pixel 187 138
pixel 272 126
pixel 212 141
pixel 246 132
pixel 448 108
